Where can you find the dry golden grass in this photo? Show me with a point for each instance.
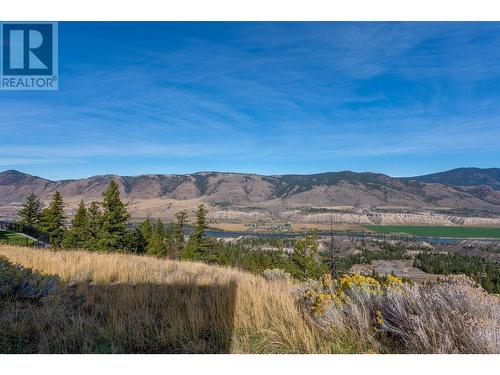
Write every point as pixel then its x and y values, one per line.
pixel 243 227
pixel 120 303
pixel 127 303
pixel 236 227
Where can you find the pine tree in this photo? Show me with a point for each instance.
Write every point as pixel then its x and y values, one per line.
pixel 135 242
pixel 306 258
pixel 172 250
pixel 52 220
pixel 31 211
pixel 80 220
pixel 181 218
pixel 160 227
pixel 78 235
pixel 196 246
pixel 146 229
pixel 94 224
pixel 201 222
pixel 175 235
pixel 114 219
pixel 156 244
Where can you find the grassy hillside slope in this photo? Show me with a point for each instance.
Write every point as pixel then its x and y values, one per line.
pixel 136 304
pixel 120 303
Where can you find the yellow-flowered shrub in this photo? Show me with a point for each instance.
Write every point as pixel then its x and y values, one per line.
pixel 324 294
pixel 329 292
pixel 359 281
pixel 393 280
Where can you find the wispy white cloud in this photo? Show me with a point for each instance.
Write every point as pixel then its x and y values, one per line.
pixel 270 93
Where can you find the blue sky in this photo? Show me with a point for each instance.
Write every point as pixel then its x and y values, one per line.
pixel 269 98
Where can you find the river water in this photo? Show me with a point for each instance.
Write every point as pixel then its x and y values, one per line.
pixel 436 240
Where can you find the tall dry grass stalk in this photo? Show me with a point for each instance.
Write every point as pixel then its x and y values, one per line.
pixel 127 303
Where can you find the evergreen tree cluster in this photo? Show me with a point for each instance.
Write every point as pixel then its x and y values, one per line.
pixel 101 226
pixel 484 271
pixel 104 226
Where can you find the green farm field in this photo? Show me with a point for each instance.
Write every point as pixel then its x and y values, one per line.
pixel 437 231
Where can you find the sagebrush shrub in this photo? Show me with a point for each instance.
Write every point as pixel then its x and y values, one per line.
pixel 452 315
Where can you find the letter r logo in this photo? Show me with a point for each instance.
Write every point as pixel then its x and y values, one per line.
pixel 27 49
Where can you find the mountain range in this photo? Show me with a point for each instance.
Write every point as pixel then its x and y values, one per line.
pixel 234 196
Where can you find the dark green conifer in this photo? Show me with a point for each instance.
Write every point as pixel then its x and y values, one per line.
pixel 77 236
pixel 156 244
pixel 114 219
pixel 94 225
pixel 306 258
pixel 181 218
pixel 196 247
pixel 31 211
pixel 52 220
pixel 146 229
